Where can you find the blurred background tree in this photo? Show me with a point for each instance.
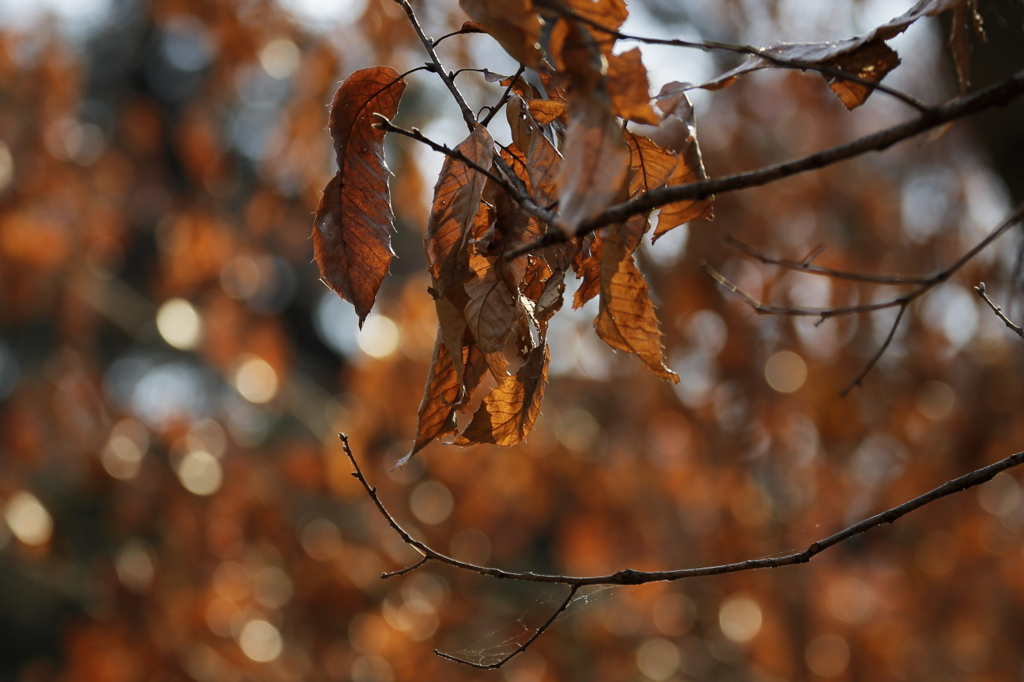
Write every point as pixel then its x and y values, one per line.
pixel 172 374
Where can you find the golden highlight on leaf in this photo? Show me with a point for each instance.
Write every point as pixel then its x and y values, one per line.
pixel 454 209
pixel 507 415
pixel 354 219
pixel 629 88
pixel 513 23
pixel 627 320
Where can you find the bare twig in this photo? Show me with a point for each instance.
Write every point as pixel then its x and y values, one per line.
pixel 805 265
pixel 438 68
pixel 522 647
pixel 924 285
pixel 629 576
pixel 877 356
pixel 998 310
pixel 996 95
pixel 762 52
pixel 462 31
pixel 513 186
pixel 504 97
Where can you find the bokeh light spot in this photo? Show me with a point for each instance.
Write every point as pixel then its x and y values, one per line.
pixel 431 502
pixel 6 166
pixel 179 324
pixel 260 641
pixel 279 58
pixel 935 400
pixel 134 566
pixel 785 371
pixel 272 587
pixel 321 539
pixel 256 380
pixel 851 600
pixel 379 336
pixel 657 658
pixel 28 519
pixel 200 473
pixel 827 655
pixel 740 618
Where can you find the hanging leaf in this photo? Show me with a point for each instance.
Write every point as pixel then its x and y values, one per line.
pixel 513 23
pixel 587 266
pixel 542 160
pixel 626 320
pixel 867 56
pixel 507 415
pixel 440 400
pixel 544 111
pixel 966 20
pixel 354 220
pixel 629 88
pixel 490 310
pixel 454 209
pixel 596 161
pixel 670 155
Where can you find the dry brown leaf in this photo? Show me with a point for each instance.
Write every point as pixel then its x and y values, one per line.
pixel 627 320
pixel 354 220
pixel 454 210
pixel 545 111
pixel 670 156
pixel 513 23
pixel 542 160
pixel 966 20
pixel 866 56
pixel 608 13
pixel 596 161
pixel 452 327
pixel 587 266
pixel 490 310
pixel 440 400
pixel 508 413
pixel 629 88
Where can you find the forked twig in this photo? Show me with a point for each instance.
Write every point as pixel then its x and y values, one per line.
pixel 924 285
pixel 763 53
pixel 998 310
pixel 522 647
pixel 632 577
pixel 806 265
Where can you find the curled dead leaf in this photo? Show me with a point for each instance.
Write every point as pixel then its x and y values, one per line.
pixel 354 220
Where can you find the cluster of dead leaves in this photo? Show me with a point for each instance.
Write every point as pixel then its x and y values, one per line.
pixel 590 138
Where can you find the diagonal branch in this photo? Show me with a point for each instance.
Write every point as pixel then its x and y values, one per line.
pixel 998 310
pixel 1000 94
pixel 807 266
pixel 522 647
pixel 629 576
pixel 924 285
pixel 763 53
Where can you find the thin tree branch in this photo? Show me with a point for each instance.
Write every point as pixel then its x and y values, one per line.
pixel 504 97
pixel 762 52
pixel 998 310
pixel 438 68
pixel 996 95
pixel 522 647
pixel 924 285
pixel 462 31
pixel 877 356
pixel 511 183
pixel 805 265
pixel 402 571
pixel 629 576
